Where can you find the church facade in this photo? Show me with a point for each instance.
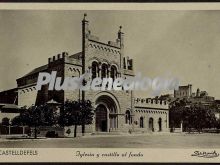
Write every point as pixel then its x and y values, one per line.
pixel 114 110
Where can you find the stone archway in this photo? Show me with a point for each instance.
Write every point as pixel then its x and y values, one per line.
pixel 106 113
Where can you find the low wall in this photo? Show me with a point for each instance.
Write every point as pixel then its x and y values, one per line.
pixel 69 131
pixel 6 130
pixel 175 130
pixel 48 131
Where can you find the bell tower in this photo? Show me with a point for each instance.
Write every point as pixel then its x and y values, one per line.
pixel 85 36
pixel 120 40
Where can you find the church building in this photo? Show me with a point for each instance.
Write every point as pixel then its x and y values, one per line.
pixel 114 110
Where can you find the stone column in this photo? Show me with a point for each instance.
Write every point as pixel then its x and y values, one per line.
pixel 99 70
pixel 108 120
pixel 181 126
pixel 108 72
pixel 94 123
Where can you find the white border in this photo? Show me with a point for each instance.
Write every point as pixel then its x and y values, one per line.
pixel 110 6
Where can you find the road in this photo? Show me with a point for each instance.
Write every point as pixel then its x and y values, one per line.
pixel 121 141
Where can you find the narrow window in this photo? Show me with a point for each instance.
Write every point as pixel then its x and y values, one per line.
pixel 94 69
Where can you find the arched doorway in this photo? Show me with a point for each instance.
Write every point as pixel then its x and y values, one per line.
pixel 106 112
pixel 160 124
pixel 101 118
pixel 151 124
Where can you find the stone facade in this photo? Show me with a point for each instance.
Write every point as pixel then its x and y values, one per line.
pixel 9 96
pixel 183 91
pixel 151 115
pixel 114 110
pixel 201 97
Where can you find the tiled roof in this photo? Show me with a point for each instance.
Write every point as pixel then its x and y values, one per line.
pixel 76 56
pixel 44 67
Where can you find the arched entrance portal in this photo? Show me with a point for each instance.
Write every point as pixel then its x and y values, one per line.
pixel 106 118
pixel 101 118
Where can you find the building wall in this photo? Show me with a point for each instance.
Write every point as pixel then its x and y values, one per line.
pixel 10 116
pixel 56 63
pixel 183 91
pixel 123 99
pixel 27 96
pixel 66 66
pixel 9 96
pixel 154 109
pixel 71 70
pixel 111 54
pixel 117 102
pixel 102 53
pixel 151 113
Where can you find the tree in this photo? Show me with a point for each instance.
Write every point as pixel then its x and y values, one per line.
pixel 76 113
pixel 193 115
pixel 70 115
pixel 202 117
pixel 176 111
pixel 23 119
pixel 49 116
pixel 87 113
pixel 218 124
pixel 36 116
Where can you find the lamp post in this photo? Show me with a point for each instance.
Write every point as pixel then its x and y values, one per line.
pixel 9 128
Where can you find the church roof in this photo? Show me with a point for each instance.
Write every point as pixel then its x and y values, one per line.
pixel 36 70
pixel 76 56
pixel 44 67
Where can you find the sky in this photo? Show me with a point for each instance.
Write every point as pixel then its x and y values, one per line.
pixel 182 44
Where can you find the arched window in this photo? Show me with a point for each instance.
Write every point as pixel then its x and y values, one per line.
pixel 104 71
pixel 113 72
pixel 160 124
pixel 94 69
pixel 151 124
pixel 141 122
pixel 128 117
